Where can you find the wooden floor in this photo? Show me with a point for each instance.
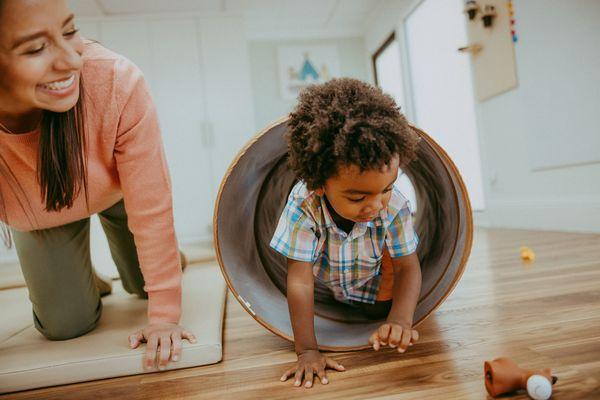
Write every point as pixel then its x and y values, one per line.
pixel 545 314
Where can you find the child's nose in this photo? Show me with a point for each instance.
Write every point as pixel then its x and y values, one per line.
pixel 375 206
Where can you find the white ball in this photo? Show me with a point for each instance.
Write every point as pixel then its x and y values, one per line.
pixel 539 388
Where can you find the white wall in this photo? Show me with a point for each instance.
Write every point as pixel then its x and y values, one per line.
pixel 554 111
pixel 268 103
pixel 549 120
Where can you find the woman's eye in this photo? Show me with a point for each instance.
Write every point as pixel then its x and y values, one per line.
pixel 71 32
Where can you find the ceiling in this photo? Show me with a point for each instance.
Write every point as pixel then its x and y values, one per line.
pixel 262 17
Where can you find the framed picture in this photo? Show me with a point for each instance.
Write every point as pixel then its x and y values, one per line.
pixel 300 66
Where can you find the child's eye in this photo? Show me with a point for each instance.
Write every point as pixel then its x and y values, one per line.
pixel 357 200
pixel 387 190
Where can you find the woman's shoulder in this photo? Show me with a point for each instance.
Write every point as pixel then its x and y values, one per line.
pixel 100 59
pixel 107 75
pixel 95 53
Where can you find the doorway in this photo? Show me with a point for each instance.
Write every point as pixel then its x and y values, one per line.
pixel 440 89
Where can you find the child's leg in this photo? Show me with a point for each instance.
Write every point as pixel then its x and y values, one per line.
pixel 383 303
pixel 122 248
pixel 57 268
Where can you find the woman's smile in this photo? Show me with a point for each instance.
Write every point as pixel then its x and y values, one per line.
pixel 61 88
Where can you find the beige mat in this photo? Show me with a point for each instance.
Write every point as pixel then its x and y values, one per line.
pixel 28 360
pixel 12 277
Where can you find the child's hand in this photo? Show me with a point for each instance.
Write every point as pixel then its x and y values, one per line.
pixel 163 343
pixel 395 334
pixel 309 363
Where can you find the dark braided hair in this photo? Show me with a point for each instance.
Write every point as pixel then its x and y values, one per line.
pixel 346 122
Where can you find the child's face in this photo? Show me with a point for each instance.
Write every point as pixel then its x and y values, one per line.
pixel 357 196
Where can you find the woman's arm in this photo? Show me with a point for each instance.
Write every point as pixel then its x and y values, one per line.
pixel 146 187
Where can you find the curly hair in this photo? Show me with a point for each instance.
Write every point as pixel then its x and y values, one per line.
pixel 346 122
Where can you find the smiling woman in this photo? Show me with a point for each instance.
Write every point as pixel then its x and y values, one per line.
pixel 79 136
pixel 30 86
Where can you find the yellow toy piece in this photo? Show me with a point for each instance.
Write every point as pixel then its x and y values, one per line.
pixel 527 254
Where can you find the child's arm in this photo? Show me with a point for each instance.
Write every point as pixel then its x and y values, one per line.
pixel 300 295
pixel 397 331
pixel 407 287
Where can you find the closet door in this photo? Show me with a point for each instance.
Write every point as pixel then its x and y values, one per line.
pixel 180 99
pixel 228 90
pixel 166 50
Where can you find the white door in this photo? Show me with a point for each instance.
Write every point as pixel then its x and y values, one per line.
pixel 441 87
pixel 227 83
pixel 168 53
pixel 388 72
pixel 180 96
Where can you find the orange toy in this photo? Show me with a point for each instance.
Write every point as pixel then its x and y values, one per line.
pixel 527 254
pixel 504 376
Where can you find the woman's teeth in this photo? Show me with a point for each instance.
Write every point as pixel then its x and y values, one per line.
pixel 60 84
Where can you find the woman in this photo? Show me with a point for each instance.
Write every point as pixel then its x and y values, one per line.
pixel 79 136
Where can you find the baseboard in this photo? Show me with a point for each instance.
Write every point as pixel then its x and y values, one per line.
pixel 200 240
pixel 9 256
pixel 480 218
pixel 572 215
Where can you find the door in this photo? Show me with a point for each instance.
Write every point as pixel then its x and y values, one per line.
pixel 441 88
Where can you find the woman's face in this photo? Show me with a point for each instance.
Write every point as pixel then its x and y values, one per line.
pixel 40 57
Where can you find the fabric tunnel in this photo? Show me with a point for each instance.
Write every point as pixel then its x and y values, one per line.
pixel 251 199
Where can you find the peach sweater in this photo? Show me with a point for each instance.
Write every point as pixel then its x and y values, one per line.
pixel 125 161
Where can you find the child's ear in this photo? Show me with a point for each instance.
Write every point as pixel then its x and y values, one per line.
pixel 320 191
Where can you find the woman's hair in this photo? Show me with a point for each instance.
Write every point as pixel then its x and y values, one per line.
pixel 61 163
pixel 62 155
pixel 62 159
pixel 346 122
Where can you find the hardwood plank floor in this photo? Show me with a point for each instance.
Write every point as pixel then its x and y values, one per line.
pixel 544 314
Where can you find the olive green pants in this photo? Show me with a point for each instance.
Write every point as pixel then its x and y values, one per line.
pixel 57 267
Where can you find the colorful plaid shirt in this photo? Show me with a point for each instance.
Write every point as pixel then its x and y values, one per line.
pixel 349 264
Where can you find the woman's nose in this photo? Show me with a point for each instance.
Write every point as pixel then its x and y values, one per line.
pixel 68 58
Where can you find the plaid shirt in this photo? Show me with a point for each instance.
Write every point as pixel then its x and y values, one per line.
pixel 349 264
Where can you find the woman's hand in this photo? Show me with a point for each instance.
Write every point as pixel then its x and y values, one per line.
pixel 395 334
pixel 309 363
pixel 163 343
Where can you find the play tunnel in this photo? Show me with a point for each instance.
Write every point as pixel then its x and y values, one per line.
pixel 251 198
